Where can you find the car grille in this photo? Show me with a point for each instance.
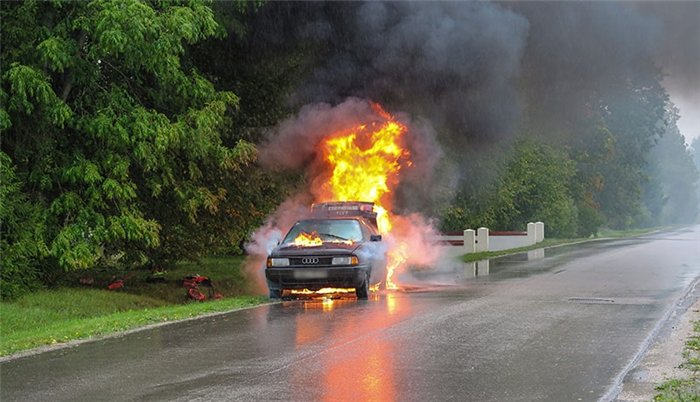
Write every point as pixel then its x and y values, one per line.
pixel 310 261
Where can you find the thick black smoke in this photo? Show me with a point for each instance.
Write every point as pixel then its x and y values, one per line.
pixel 679 55
pixel 678 50
pixel 452 63
pixel 580 51
pixel 465 66
pixel 470 69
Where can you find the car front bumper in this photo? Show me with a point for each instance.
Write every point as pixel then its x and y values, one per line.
pixel 317 277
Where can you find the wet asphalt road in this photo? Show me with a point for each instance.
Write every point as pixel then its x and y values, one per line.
pixel 563 324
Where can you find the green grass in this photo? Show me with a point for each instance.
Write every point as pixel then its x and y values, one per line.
pixel 608 233
pixel 685 389
pixel 74 313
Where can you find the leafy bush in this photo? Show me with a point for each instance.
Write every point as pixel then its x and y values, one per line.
pixel 21 244
pixel 534 186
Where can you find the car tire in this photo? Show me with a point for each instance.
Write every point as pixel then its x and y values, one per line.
pixel 362 291
pixel 275 290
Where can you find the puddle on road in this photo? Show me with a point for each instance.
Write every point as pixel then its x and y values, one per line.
pixel 454 272
pixel 451 271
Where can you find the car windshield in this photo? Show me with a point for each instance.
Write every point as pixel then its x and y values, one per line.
pixel 330 230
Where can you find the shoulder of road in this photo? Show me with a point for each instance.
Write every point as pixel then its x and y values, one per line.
pixel 663 360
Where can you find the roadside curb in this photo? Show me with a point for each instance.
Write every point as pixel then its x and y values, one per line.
pixel 660 357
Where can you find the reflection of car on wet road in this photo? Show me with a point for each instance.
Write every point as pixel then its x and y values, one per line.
pixel 339 247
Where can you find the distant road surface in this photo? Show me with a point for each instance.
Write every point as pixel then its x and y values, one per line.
pixel 562 324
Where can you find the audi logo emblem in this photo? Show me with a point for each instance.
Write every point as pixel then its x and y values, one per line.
pixel 309 261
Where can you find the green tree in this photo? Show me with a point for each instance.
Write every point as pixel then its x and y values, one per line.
pixel 636 118
pixel 670 193
pixel 107 128
pixel 21 229
pixel 590 147
pixel 534 185
pixel 262 74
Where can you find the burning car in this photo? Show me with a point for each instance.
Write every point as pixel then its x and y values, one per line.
pixel 339 247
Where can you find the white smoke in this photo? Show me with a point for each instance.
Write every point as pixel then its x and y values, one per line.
pixel 266 238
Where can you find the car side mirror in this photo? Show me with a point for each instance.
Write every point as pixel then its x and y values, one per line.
pixel 375 238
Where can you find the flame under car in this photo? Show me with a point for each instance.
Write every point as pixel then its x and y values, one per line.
pixel 338 248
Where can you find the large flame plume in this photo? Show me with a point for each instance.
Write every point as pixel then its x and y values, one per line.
pixel 354 151
pixel 365 164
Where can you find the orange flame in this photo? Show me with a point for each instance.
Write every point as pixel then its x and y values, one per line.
pixel 365 165
pixel 307 240
pixel 313 240
pixel 321 291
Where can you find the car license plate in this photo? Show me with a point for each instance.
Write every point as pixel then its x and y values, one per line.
pixel 310 274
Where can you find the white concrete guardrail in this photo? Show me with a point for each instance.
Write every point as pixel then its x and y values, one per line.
pixel 471 241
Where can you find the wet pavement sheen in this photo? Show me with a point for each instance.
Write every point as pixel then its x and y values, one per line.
pixel 561 324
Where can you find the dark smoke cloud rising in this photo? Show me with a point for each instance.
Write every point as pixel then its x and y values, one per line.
pixel 679 55
pixel 464 65
pixel 678 50
pixel 452 62
pixel 467 70
pixel 575 49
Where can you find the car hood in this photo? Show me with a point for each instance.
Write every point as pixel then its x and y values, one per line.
pixel 326 248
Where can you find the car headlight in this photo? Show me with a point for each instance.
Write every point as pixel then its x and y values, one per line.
pixel 277 262
pixel 347 260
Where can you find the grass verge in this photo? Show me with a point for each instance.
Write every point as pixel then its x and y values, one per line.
pixel 72 313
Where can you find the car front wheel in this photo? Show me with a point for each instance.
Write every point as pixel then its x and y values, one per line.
pixel 275 290
pixel 362 291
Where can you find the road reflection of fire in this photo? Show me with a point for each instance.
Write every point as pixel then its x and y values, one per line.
pixel 325 293
pixel 352 362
